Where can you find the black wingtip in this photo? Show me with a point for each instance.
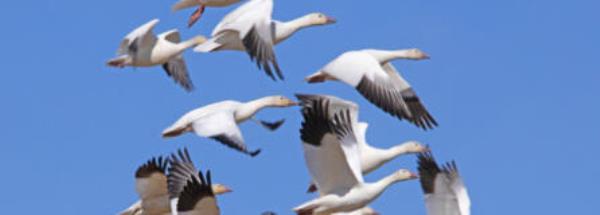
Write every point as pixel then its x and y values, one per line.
pixel 312 188
pixel 272 126
pixel 254 153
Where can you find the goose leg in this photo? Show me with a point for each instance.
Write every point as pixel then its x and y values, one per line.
pixel 196 15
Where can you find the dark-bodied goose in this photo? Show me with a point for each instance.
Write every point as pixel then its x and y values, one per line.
pixel 141 48
pixel 220 120
pixel 250 28
pixel 445 193
pixel 332 156
pixel 373 76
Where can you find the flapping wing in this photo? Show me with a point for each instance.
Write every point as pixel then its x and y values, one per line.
pixel 140 37
pixel 151 185
pixel 443 188
pixel 390 92
pixel 253 23
pixel 458 188
pixel 221 127
pixel 181 169
pixel 177 70
pixel 197 197
pixel 171 36
pixel 323 152
pixel 335 104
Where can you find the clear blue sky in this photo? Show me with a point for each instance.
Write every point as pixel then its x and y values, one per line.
pixel 514 85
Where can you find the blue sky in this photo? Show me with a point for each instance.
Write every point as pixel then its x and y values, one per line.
pixel 513 84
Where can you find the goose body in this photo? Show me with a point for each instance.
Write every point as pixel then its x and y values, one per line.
pixel 201 4
pixel 250 28
pixel 220 120
pixel 331 154
pixel 141 48
pixel 372 75
pixel 445 192
pixel 371 158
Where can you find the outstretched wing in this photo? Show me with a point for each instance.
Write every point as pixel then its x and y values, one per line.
pixel 390 92
pixel 221 126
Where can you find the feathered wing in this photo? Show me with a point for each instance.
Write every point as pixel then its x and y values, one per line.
pixel 151 186
pixel 197 197
pixel 444 191
pixel 140 37
pixel 335 104
pixel 176 68
pixel 255 29
pixel 221 126
pixel 326 156
pixel 181 170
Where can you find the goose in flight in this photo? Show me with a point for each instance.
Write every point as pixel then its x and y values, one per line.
pixel 201 4
pixel 250 28
pixel 141 48
pixel 332 156
pixel 371 158
pixel 195 193
pixel 154 189
pixel 375 78
pixel 445 193
pixel 219 121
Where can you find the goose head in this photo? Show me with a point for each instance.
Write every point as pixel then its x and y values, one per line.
pixel 416 54
pixel 415 147
pixel 220 189
pixel 319 19
pixel 280 101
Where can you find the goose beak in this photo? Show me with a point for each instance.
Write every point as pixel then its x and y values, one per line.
pixel 330 20
pixel 413 175
pixel 222 189
pixel 289 102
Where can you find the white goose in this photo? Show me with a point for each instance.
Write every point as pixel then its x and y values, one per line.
pixel 363 211
pixel 371 158
pixel 141 48
pixel 372 74
pixel 201 4
pixel 154 191
pixel 220 120
pixel 250 28
pixel 331 154
pixel 445 193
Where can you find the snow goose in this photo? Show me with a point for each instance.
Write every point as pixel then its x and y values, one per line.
pixel 373 76
pixel 201 4
pixel 220 120
pixel 362 211
pixel 331 154
pixel 152 184
pixel 371 158
pixel 445 193
pixel 250 28
pixel 141 48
